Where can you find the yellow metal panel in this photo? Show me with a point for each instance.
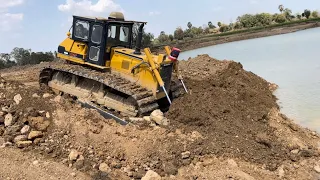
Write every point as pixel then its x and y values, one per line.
pixel 70 58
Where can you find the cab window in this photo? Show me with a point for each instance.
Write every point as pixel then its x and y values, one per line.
pixel 118 34
pixel 81 30
pixel 96 34
pixel 124 34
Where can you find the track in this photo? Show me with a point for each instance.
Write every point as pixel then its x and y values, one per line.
pixel 103 88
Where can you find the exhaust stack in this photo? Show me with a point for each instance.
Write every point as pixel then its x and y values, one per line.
pixel 139 40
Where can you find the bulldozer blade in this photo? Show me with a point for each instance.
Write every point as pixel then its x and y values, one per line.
pixel 102 112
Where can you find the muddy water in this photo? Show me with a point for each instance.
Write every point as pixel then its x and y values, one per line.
pixel 292 61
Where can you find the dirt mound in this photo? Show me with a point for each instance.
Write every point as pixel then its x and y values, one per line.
pixel 230 108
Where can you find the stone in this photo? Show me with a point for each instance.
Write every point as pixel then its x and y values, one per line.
pixel 35 95
pixel 232 163
pixel 37 141
pixel 185 155
pixel 74 154
pixel 46 95
pixel 48 115
pixel 151 175
pixel 35 163
pixel 35 134
pixel 103 167
pixel 23 144
pixel 2 113
pixel 17 98
pixel 39 123
pixel 280 172
pixel 20 138
pixel 147 118
pixel 295 151
pixel 6 144
pixel 317 168
pixel 157 116
pixel 57 99
pixel 25 130
pixel 73 174
pixel 134 119
pixel 8 119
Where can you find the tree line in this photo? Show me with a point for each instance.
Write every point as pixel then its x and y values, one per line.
pixel 242 22
pixel 21 56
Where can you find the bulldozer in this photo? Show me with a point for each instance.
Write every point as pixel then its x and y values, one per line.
pixel 100 67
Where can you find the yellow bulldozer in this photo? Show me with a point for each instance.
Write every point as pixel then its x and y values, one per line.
pixel 101 68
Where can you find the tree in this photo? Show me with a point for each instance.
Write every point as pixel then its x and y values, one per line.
pixel 219 24
pixel 189 25
pixel 298 16
pixel 21 56
pixel 315 14
pixel 171 37
pixel 224 28
pixel 238 25
pixel 287 13
pixel 211 26
pixel 163 37
pixel 280 18
pixel 178 33
pixel 306 13
pixel 281 8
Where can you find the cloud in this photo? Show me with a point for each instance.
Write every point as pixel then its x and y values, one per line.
pixel 10 3
pixel 10 21
pixel 154 13
pixel 88 8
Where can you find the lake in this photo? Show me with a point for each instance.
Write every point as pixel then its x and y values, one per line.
pixel 292 61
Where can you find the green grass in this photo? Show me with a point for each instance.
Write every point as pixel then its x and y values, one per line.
pixel 242 31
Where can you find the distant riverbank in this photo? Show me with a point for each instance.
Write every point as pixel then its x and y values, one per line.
pixel 210 40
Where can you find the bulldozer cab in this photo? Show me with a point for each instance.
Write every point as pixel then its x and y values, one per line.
pixel 101 35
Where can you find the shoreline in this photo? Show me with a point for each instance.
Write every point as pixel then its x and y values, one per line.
pixel 196 43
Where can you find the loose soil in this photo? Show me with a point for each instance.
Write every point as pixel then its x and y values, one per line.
pixel 228 127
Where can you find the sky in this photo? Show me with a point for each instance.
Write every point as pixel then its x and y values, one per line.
pixel 41 25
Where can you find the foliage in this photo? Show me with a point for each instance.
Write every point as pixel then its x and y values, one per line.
pixel 249 20
pixel 224 28
pixel 189 25
pixel 178 33
pixel 211 26
pixel 306 13
pixel 315 14
pixel 171 37
pixel 281 8
pixel 163 37
pixel 280 18
pixel 219 24
pixel 299 16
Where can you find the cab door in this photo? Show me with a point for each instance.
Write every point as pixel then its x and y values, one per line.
pixel 96 44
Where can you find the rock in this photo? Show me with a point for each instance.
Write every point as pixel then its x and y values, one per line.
pixel 8 120
pixel 35 95
pixel 295 151
pixel 17 98
pixel 74 154
pixel 306 153
pixel 151 175
pixel 134 119
pixel 20 138
pixel 57 99
pixel 23 144
pixel 39 123
pixel 262 138
pixel 35 163
pixel 147 118
pixel 48 115
pixel 46 95
pixel 73 174
pixel 2 113
pixel 35 134
pixel 37 141
pixel 6 144
pixel 157 116
pixel 280 172
pixel 25 130
pixel 185 155
pixel 104 168
pixel 317 168
pixel 232 163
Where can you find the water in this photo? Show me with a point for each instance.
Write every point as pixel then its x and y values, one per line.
pixel 292 61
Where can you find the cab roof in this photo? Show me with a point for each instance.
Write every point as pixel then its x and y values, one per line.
pixel 105 20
